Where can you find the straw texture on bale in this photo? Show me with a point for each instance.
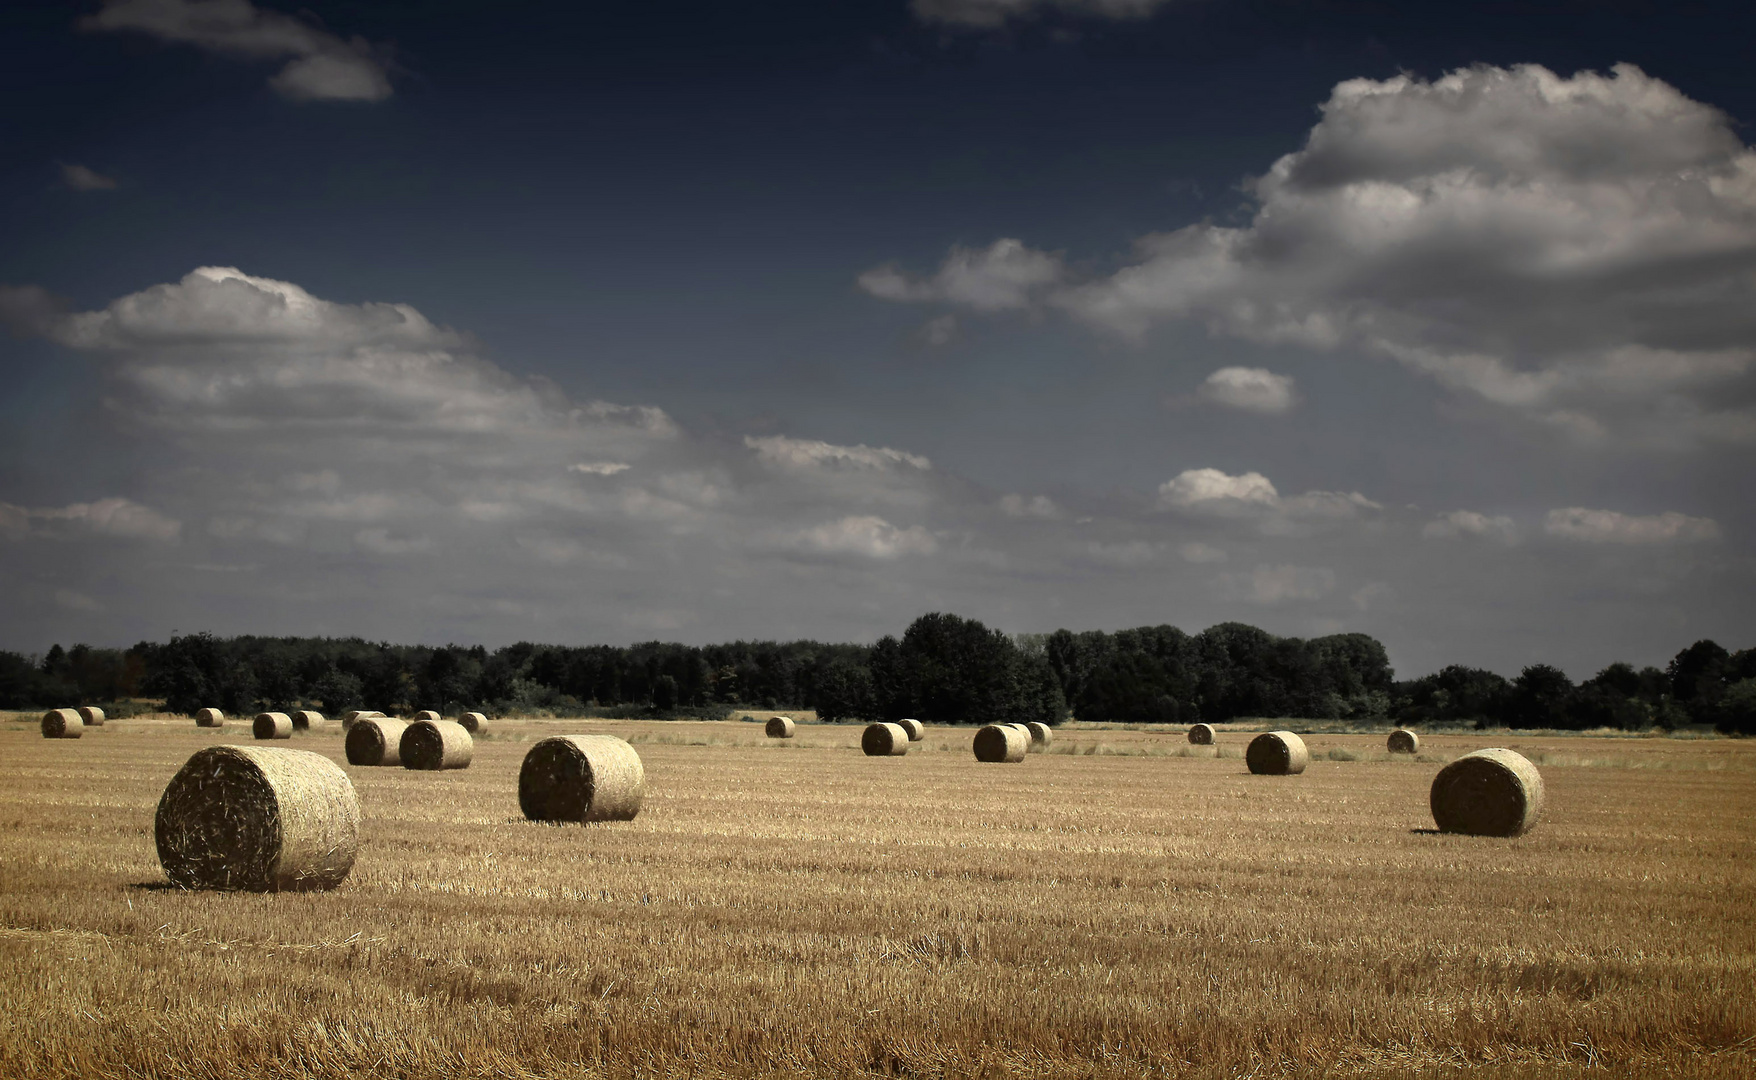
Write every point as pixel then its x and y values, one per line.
pixel 473 721
pixel 1201 735
pixel 424 714
pixel 1488 793
pixel 436 744
pixel 916 730
pixel 348 718
pixel 1404 741
pixel 62 724
pixel 779 727
pixel 210 718
pixel 1041 735
pixel 307 720
pixel 260 819
pixel 884 740
pixel 375 740
pixel 272 725
pixel 581 778
pixel 1277 753
pixel 1001 742
pixel 92 715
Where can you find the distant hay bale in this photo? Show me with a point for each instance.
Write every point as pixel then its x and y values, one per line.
pixel 424 714
pixel 63 724
pixel 473 721
pixel 884 740
pixel 916 730
pixel 258 818
pixel 1042 736
pixel 581 778
pixel 1404 741
pixel 210 718
pixel 779 727
pixel 1491 792
pixel 272 725
pixel 308 720
pixel 1277 753
pixel 91 715
pixel 1201 735
pixel 348 718
pixel 1001 742
pixel 432 745
pixel 375 740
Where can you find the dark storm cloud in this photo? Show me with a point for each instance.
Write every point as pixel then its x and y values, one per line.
pixel 987 14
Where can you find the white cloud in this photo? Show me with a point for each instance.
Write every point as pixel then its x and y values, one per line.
pixel 1211 489
pixel 1468 523
pixel 1250 389
pixel 599 468
pixel 71 600
pixel 1609 527
pixel 1272 585
pixel 781 451
pixel 322 66
pixel 114 517
pixel 1197 552
pixel 1004 275
pixel 939 331
pixel 872 537
pixel 1036 506
pixel 988 14
pixel 80 178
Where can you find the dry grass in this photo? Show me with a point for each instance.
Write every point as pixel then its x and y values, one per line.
pixel 791 906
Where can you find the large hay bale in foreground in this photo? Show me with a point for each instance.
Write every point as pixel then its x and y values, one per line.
pixel 375 740
pixel 258 818
pixel 348 718
pixel 916 730
pixel 91 715
pixel 1001 742
pixel 436 744
pixel 308 720
pixel 210 718
pixel 1493 792
pixel 779 727
pixel 1403 741
pixel 1042 736
pixel 1277 753
pixel 424 714
pixel 63 724
pixel 581 778
pixel 1201 735
pixel 473 722
pixel 272 725
pixel 884 740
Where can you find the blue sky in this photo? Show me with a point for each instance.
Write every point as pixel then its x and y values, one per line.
pixel 1430 321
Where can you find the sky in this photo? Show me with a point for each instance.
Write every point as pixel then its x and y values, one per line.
pixel 478 323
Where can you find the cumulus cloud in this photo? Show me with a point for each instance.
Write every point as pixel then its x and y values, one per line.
pixel 114 517
pixel 1212 489
pixel 1469 523
pixel 1249 389
pixel 1609 527
pixel 1005 275
pixel 988 14
pixel 599 468
pixel 810 454
pixel 321 66
pixel 865 535
pixel 80 178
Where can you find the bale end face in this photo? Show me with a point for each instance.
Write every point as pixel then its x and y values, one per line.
pixel 884 740
pixel 1493 792
pixel 1042 736
pixel 63 724
pixel 91 715
pixel 473 722
pixel 581 778
pixel 1277 753
pixel 1201 735
pixel 916 730
pixel 375 740
pixel 432 745
pixel 210 718
pixel 1001 743
pixel 272 725
pixel 779 727
pixel 1403 741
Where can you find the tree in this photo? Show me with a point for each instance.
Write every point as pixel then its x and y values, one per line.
pixel 1541 696
pixel 664 693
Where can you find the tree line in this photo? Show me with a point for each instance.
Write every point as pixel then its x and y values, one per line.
pixel 943 669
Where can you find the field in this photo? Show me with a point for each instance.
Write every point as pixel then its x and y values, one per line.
pixel 1126 905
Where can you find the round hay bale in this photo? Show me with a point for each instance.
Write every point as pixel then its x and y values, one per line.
pixel 779 727
pixel 1201 735
pixel 436 744
pixel 424 714
pixel 916 730
pixel 272 725
pixel 1404 741
pixel 210 718
pixel 1042 736
pixel 348 718
pixel 1491 792
pixel 91 715
pixel 581 778
pixel 884 740
pixel 258 818
pixel 1001 742
pixel 308 720
pixel 375 740
pixel 1277 753
pixel 473 721
pixel 63 724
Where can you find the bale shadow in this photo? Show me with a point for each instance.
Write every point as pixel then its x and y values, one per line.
pixel 1428 832
pixel 158 886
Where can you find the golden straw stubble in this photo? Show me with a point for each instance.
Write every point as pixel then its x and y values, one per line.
pixel 581 778
pixel 1493 792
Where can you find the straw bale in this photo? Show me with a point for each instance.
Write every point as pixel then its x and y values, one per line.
pixel 258 818
pixel 1201 735
pixel 1277 753
pixel 1404 741
pixel 1042 736
pixel 62 724
pixel 1494 792
pixel 375 740
pixel 348 718
pixel 424 714
pixel 210 718
pixel 91 715
pixel 916 730
pixel 272 725
pixel 473 722
pixel 432 745
pixel 1001 742
pixel 884 740
pixel 581 778
pixel 308 720
pixel 779 727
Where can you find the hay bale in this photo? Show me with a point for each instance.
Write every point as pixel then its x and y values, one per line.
pixel 308 720
pixel 91 715
pixel 272 725
pixel 1404 741
pixel 916 730
pixel 1277 753
pixel 1001 742
pixel 424 714
pixel 1201 735
pixel 375 740
pixel 63 724
pixel 473 721
pixel 581 778
pixel 1491 792
pixel 884 740
pixel 348 718
pixel 436 744
pixel 210 718
pixel 779 727
pixel 1042 736
pixel 258 818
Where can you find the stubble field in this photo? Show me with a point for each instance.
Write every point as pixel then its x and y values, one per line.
pixel 1126 905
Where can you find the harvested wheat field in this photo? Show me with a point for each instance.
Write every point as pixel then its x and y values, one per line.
pixel 1124 904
